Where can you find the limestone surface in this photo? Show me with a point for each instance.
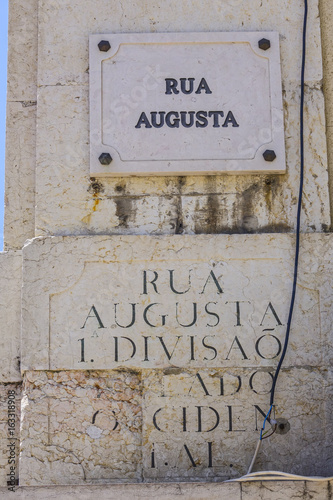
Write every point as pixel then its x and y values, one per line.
pixel 152 358
pixel 20 174
pixel 21 123
pixel 22 64
pixel 10 315
pixel 150 340
pixel 140 301
pixel 168 425
pixel 81 427
pixel 70 202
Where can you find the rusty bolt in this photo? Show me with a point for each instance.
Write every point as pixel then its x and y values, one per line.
pixel 264 44
pixel 104 46
pixel 269 155
pixel 105 159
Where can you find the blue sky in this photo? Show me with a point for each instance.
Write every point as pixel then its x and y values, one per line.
pixel 3 86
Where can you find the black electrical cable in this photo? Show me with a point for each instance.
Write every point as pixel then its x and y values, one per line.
pixel 299 208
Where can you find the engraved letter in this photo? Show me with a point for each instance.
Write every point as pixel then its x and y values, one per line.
pixel 194 316
pixel 183 85
pixel 153 119
pixel 95 315
pixel 239 347
pixel 175 122
pixel 209 347
pixel 154 420
pixel 217 416
pixel 274 314
pixel 132 320
pixel 146 348
pixel 145 312
pixel 171 86
pixel 251 383
pixel 238 312
pixel 211 274
pixel 202 121
pixel 183 118
pixel 201 383
pixel 212 314
pixel 216 115
pixel 171 271
pixel 279 347
pixel 203 85
pixel 189 455
pixel 258 409
pixel 169 356
pixel 230 422
pixel 143 120
pixel 116 348
pixel 230 119
pixel 152 282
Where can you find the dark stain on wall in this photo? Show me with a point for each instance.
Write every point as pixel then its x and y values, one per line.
pixel 244 206
pixel 124 210
pixel 179 222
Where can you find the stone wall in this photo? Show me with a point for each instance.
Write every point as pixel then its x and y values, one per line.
pixel 95 405
pixel 69 202
pixel 267 490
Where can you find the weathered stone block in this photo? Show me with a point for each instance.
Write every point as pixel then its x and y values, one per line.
pixel 67 202
pixel 67 63
pixel 151 359
pixel 248 204
pixel 19 224
pixel 288 489
pixel 210 301
pixel 163 491
pixel 10 315
pixel 21 123
pixel 22 50
pixel 81 427
pixel 189 330
pixel 205 423
pixel 168 425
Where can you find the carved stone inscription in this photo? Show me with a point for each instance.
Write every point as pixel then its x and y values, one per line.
pixel 194 423
pixel 164 425
pixel 169 348
pixel 219 314
pixel 207 337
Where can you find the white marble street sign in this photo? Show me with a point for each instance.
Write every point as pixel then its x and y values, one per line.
pixel 185 103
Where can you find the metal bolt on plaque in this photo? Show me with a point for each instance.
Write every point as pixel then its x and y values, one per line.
pixel 269 155
pixel 104 46
pixel 105 159
pixel 264 44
